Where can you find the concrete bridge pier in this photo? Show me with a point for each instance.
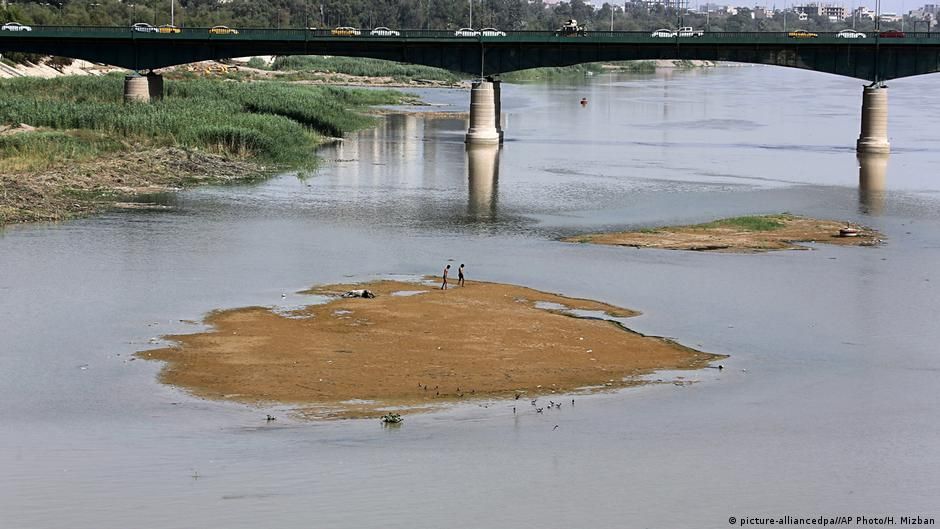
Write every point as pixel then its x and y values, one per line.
pixel 499 106
pixel 136 89
pixel 874 136
pixel 483 117
pixel 143 88
pixel 155 86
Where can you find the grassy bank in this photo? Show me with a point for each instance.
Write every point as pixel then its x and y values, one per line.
pixel 363 67
pixel 76 123
pixel 552 72
pixel 580 70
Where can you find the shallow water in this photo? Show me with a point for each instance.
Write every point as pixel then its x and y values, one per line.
pixel 827 404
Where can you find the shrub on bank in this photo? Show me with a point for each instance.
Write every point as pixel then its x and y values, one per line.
pixel 41 149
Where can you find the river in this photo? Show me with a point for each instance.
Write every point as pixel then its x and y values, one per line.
pixel 827 404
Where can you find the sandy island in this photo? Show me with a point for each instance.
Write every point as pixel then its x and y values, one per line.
pixel 739 234
pixel 414 346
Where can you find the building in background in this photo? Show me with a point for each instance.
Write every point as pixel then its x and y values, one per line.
pixel 831 11
pixel 863 13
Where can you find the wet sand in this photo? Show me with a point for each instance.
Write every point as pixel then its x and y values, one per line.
pixel 354 357
pixel 735 235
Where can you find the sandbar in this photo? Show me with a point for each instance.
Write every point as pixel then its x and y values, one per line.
pixel 740 235
pixel 354 357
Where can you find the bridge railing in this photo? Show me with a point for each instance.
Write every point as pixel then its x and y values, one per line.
pixel 333 33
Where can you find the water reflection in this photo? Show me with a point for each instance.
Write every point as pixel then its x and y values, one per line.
pixel 483 170
pixel 872 169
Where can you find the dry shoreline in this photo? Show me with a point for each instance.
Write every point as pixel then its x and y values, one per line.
pixel 739 235
pixel 356 357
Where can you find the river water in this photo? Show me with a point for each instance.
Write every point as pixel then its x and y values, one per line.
pixel 828 403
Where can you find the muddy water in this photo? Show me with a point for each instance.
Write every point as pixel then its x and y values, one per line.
pixel 827 405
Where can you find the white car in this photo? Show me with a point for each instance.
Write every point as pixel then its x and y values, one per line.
pixel 663 33
pixel 15 26
pixel 466 32
pixel 690 32
pixel 144 27
pixel 850 34
pixel 384 32
pixel 493 32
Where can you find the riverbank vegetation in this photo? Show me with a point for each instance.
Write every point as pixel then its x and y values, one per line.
pixel 581 70
pixel 747 234
pixel 363 67
pixel 72 123
pixel 593 68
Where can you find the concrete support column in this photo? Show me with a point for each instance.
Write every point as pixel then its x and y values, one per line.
pixel 499 108
pixel 136 89
pixel 155 86
pixel 482 115
pixel 874 136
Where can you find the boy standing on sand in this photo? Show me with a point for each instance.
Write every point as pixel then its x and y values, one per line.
pixel 444 284
pixel 460 275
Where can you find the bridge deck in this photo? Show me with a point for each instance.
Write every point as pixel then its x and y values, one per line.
pixel 872 58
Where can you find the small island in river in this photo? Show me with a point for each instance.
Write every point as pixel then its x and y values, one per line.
pixel 415 346
pixel 741 234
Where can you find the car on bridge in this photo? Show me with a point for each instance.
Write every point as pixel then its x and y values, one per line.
pixel 466 32
pixel 892 34
pixel 345 31
pixel 801 34
pixel 570 29
pixel 15 26
pixel 222 30
pixel 384 32
pixel 663 33
pixel 689 32
pixel 850 34
pixel 143 27
pixel 167 28
pixel 492 32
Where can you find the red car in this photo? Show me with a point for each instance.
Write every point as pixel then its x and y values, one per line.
pixel 892 34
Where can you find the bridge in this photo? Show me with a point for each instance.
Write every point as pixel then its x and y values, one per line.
pixel 875 58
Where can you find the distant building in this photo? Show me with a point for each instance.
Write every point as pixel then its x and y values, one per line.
pixel 928 11
pixel 713 8
pixel 863 13
pixel 760 12
pixel 810 10
pixel 834 12
pixel 830 11
pixel 682 5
